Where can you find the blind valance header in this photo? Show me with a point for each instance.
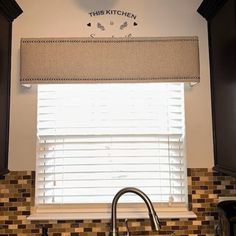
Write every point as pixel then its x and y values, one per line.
pixel 89 60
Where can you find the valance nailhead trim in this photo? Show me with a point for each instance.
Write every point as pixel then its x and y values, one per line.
pixel 110 79
pixel 106 41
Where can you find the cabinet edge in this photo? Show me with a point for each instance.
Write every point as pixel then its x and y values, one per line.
pixel 209 8
pixel 11 9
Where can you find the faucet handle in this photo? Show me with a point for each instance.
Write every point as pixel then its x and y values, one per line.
pixel 127 226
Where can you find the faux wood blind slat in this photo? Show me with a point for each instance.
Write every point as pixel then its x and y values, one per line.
pixel 89 60
pixel 96 139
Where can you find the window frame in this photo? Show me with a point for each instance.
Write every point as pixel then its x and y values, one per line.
pixel 102 210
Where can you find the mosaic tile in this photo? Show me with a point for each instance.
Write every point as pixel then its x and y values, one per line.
pixel 204 188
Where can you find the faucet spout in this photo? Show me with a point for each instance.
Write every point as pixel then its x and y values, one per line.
pixel 155 223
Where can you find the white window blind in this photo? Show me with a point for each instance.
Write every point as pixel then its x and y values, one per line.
pixel 94 139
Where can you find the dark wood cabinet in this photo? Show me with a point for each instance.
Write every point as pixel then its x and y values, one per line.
pixel 221 18
pixel 9 10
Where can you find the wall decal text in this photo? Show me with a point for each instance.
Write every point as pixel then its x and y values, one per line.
pixel 113 12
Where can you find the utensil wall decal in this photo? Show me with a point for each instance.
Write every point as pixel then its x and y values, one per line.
pixel 100 26
pixel 124 25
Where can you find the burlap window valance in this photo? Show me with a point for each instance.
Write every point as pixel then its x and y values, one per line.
pixel 89 60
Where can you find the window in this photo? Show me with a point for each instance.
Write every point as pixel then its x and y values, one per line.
pixel 94 139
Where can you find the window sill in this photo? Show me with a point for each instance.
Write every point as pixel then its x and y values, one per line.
pixel 107 215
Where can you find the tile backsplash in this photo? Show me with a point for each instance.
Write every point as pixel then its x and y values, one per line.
pixel 204 188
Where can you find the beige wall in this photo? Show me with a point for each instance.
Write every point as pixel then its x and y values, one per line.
pixel 68 18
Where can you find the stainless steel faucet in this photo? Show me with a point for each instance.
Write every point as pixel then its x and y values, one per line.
pixel 155 223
